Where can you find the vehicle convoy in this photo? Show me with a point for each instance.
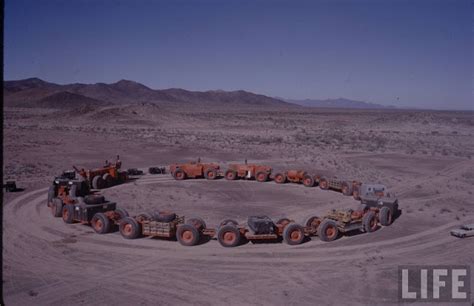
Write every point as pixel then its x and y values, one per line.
pixel 165 225
pixel 197 169
pixel 106 176
pixel 466 230
pixel 335 222
pixel 295 176
pixel 260 173
pixel 260 228
pixel 346 187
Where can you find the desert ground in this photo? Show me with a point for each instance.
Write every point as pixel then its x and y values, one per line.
pixel 424 157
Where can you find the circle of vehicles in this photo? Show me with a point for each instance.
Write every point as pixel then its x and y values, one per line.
pixel 76 199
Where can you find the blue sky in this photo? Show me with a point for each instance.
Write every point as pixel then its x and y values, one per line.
pixel 405 53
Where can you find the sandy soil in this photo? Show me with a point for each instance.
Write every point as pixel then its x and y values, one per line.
pixel 423 157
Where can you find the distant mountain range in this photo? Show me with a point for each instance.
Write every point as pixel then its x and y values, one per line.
pixel 34 92
pixel 338 103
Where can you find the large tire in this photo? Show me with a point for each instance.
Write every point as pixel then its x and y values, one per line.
pixel 346 188
pixel 187 235
pixel 293 234
pixel 122 212
pixel 145 217
pixel 312 221
pixel 57 207
pixel 164 217
pixel 369 222
pixel 179 175
pixel 68 214
pixel 94 199
pixel 323 183
pixel 327 230
pixel 280 178
pixel 308 181
pixel 51 195
pixel 198 223
pixel 210 174
pixel 100 223
pixel 108 180
pixel 227 222
pixel 129 228
pixel 97 182
pixel 261 177
pixel 385 216
pixel 231 175
pixel 229 236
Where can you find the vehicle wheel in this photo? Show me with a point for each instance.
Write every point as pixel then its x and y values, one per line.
pixel 346 189
pixel 94 199
pixel 68 214
pixel 308 181
pixel 229 236
pixel 57 207
pixel 210 174
pixel 97 182
pixel 164 217
pixel 283 221
pixel 51 195
pixel 179 175
pixel 145 217
pixel 108 180
pixel 228 222
pixel 369 222
pixel 198 223
pixel 129 228
pixel 100 223
pixel 187 235
pixel 261 177
pixel 323 184
pixel 293 234
pixel 280 178
pixel 385 216
pixel 312 221
pixel 328 231
pixel 122 212
pixel 230 175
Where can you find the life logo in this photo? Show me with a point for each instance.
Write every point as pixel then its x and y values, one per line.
pixel 441 283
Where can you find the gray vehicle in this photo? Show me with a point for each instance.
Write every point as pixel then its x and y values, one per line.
pixel 466 230
pixel 377 196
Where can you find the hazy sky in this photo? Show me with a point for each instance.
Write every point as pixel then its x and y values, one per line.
pixel 406 53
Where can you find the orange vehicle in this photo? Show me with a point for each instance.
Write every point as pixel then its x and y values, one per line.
pixel 295 176
pixel 346 187
pixel 106 176
pixel 260 173
pixel 194 170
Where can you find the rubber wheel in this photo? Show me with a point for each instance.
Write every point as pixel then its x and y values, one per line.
pixel 179 175
pixel 51 194
pixel 280 178
pixel 312 221
pixel 229 236
pixel 230 175
pixel 94 199
pixel 293 234
pixel 198 223
pixel 57 207
pixel 145 217
pixel 308 181
pixel 68 214
pixel 346 189
pixel 369 222
pixel 261 177
pixel 108 180
pixel 210 174
pixel 283 221
pixel 228 222
pixel 385 215
pixel 327 230
pixel 100 223
pixel 129 228
pixel 164 217
pixel 187 235
pixel 97 182
pixel 122 212
pixel 323 184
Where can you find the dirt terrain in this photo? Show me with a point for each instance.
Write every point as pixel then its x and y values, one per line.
pixel 424 157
